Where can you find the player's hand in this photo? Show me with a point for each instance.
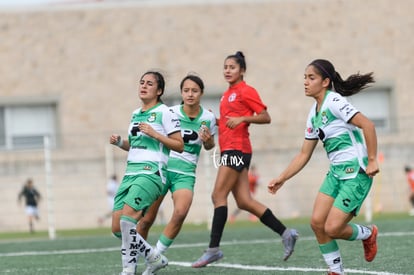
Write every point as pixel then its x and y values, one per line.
pixel 372 168
pixel 114 139
pixel 204 133
pixel 233 122
pixel 147 129
pixel 274 185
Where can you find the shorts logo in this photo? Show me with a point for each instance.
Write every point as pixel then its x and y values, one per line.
pixel 349 170
pixel 138 200
pixel 346 202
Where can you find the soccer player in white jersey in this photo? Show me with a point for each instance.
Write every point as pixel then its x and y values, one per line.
pixel 198 127
pixel 352 156
pixel 154 130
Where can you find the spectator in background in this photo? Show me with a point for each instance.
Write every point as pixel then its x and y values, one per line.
pixel 253 182
pixel 410 179
pixel 32 198
pixel 111 188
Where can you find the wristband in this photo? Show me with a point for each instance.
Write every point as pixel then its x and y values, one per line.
pixel 120 142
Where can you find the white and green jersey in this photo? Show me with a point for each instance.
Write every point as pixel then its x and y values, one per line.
pixel 186 162
pixel 146 154
pixel 343 142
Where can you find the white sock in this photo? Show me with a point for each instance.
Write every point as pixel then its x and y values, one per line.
pixel 334 262
pixel 363 232
pixel 129 245
pixel 161 247
pixel 133 244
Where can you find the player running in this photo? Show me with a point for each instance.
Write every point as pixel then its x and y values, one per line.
pixel 353 162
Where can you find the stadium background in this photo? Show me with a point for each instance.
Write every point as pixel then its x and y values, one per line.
pixel 85 60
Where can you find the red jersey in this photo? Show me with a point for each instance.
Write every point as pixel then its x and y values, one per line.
pixel 410 179
pixel 239 100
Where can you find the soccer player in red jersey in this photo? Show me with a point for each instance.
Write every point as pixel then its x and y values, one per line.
pixel 239 107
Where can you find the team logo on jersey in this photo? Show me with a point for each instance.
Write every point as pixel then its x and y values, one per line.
pixel 232 97
pixel 324 118
pixel 152 117
pixel 147 167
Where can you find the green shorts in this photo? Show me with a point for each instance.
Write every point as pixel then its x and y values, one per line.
pixel 349 194
pixel 138 191
pixel 176 181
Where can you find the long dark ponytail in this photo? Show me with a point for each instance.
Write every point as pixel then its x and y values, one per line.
pixel 352 85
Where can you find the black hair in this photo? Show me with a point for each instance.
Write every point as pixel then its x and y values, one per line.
pixel 160 81
pixel 194 78
pixel 352 85
pixel 239 58
pixel 407 168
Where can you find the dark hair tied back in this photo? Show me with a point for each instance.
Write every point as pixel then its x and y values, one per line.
pixel 160 81
pixel 240 59
pixel 195 78
pixel 352 85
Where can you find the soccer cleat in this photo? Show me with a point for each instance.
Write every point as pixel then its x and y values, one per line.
pixel 128 271
pixel 207 258
pixel 370 245
pixel 289 242
pixel 153 266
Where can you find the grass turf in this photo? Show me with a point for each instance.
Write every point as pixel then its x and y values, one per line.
pixel 249 248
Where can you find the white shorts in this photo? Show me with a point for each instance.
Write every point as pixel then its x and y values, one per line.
pixel 32 211
pixel 110 203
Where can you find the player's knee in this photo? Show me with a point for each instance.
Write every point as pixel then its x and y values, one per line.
pixel 317 226
pixel 334 231
pixel 179 216
pixel 243 206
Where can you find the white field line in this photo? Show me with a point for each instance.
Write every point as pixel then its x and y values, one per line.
pixel 291 269
pixel 234 266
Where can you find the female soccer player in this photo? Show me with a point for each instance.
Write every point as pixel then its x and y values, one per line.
pixel 198 127
pixel 240 106
pixel 154 131
pixel 353 162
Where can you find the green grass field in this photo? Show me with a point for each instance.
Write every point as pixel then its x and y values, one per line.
pixel 249 248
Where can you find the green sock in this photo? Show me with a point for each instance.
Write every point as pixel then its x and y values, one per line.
pixel 332 256
pixel 164 243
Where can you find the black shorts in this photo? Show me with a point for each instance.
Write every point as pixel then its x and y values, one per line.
pixel 235 159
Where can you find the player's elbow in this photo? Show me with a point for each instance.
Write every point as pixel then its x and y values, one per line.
pixel 180 147
pixel 265 117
